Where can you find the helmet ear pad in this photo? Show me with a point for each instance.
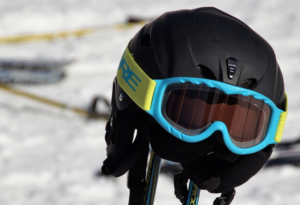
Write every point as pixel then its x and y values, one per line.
pixel 213 173
pixel 170 148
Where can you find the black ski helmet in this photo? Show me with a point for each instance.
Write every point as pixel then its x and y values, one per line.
pixel 193 43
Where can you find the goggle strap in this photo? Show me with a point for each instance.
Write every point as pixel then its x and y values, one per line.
pixel 135 82
pixel 281 122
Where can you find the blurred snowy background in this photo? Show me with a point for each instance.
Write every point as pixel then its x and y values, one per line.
pixel 50 156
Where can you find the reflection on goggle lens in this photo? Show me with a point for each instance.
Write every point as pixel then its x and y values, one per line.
pixel 193 108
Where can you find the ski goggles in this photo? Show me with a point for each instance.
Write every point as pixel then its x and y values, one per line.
pixel 192 109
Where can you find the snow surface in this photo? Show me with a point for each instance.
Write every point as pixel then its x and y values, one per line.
pixel 50 156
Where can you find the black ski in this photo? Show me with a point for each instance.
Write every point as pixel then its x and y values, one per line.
pixel 151 183
pixel 285 153
pixel 193 195
pixel 151 179
pixel 32 71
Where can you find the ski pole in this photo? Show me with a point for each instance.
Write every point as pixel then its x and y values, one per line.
pixel 152 177
pixel 87 113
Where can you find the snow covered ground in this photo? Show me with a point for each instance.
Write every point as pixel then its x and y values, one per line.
pixel 50 156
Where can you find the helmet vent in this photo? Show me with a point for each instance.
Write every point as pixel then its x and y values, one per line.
pixel 206 72
pixel 248 83
pixel 145 40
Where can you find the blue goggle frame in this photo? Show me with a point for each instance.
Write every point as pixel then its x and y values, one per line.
pixel 156 112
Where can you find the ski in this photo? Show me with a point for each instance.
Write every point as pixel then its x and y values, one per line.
pixel 285 153
pixel 93 112
pixel 32 71
pixel 151 178
pixel 193 195
pixel 151 183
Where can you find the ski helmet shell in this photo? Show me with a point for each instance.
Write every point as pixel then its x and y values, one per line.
pixel 200 43
pixel 203 43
